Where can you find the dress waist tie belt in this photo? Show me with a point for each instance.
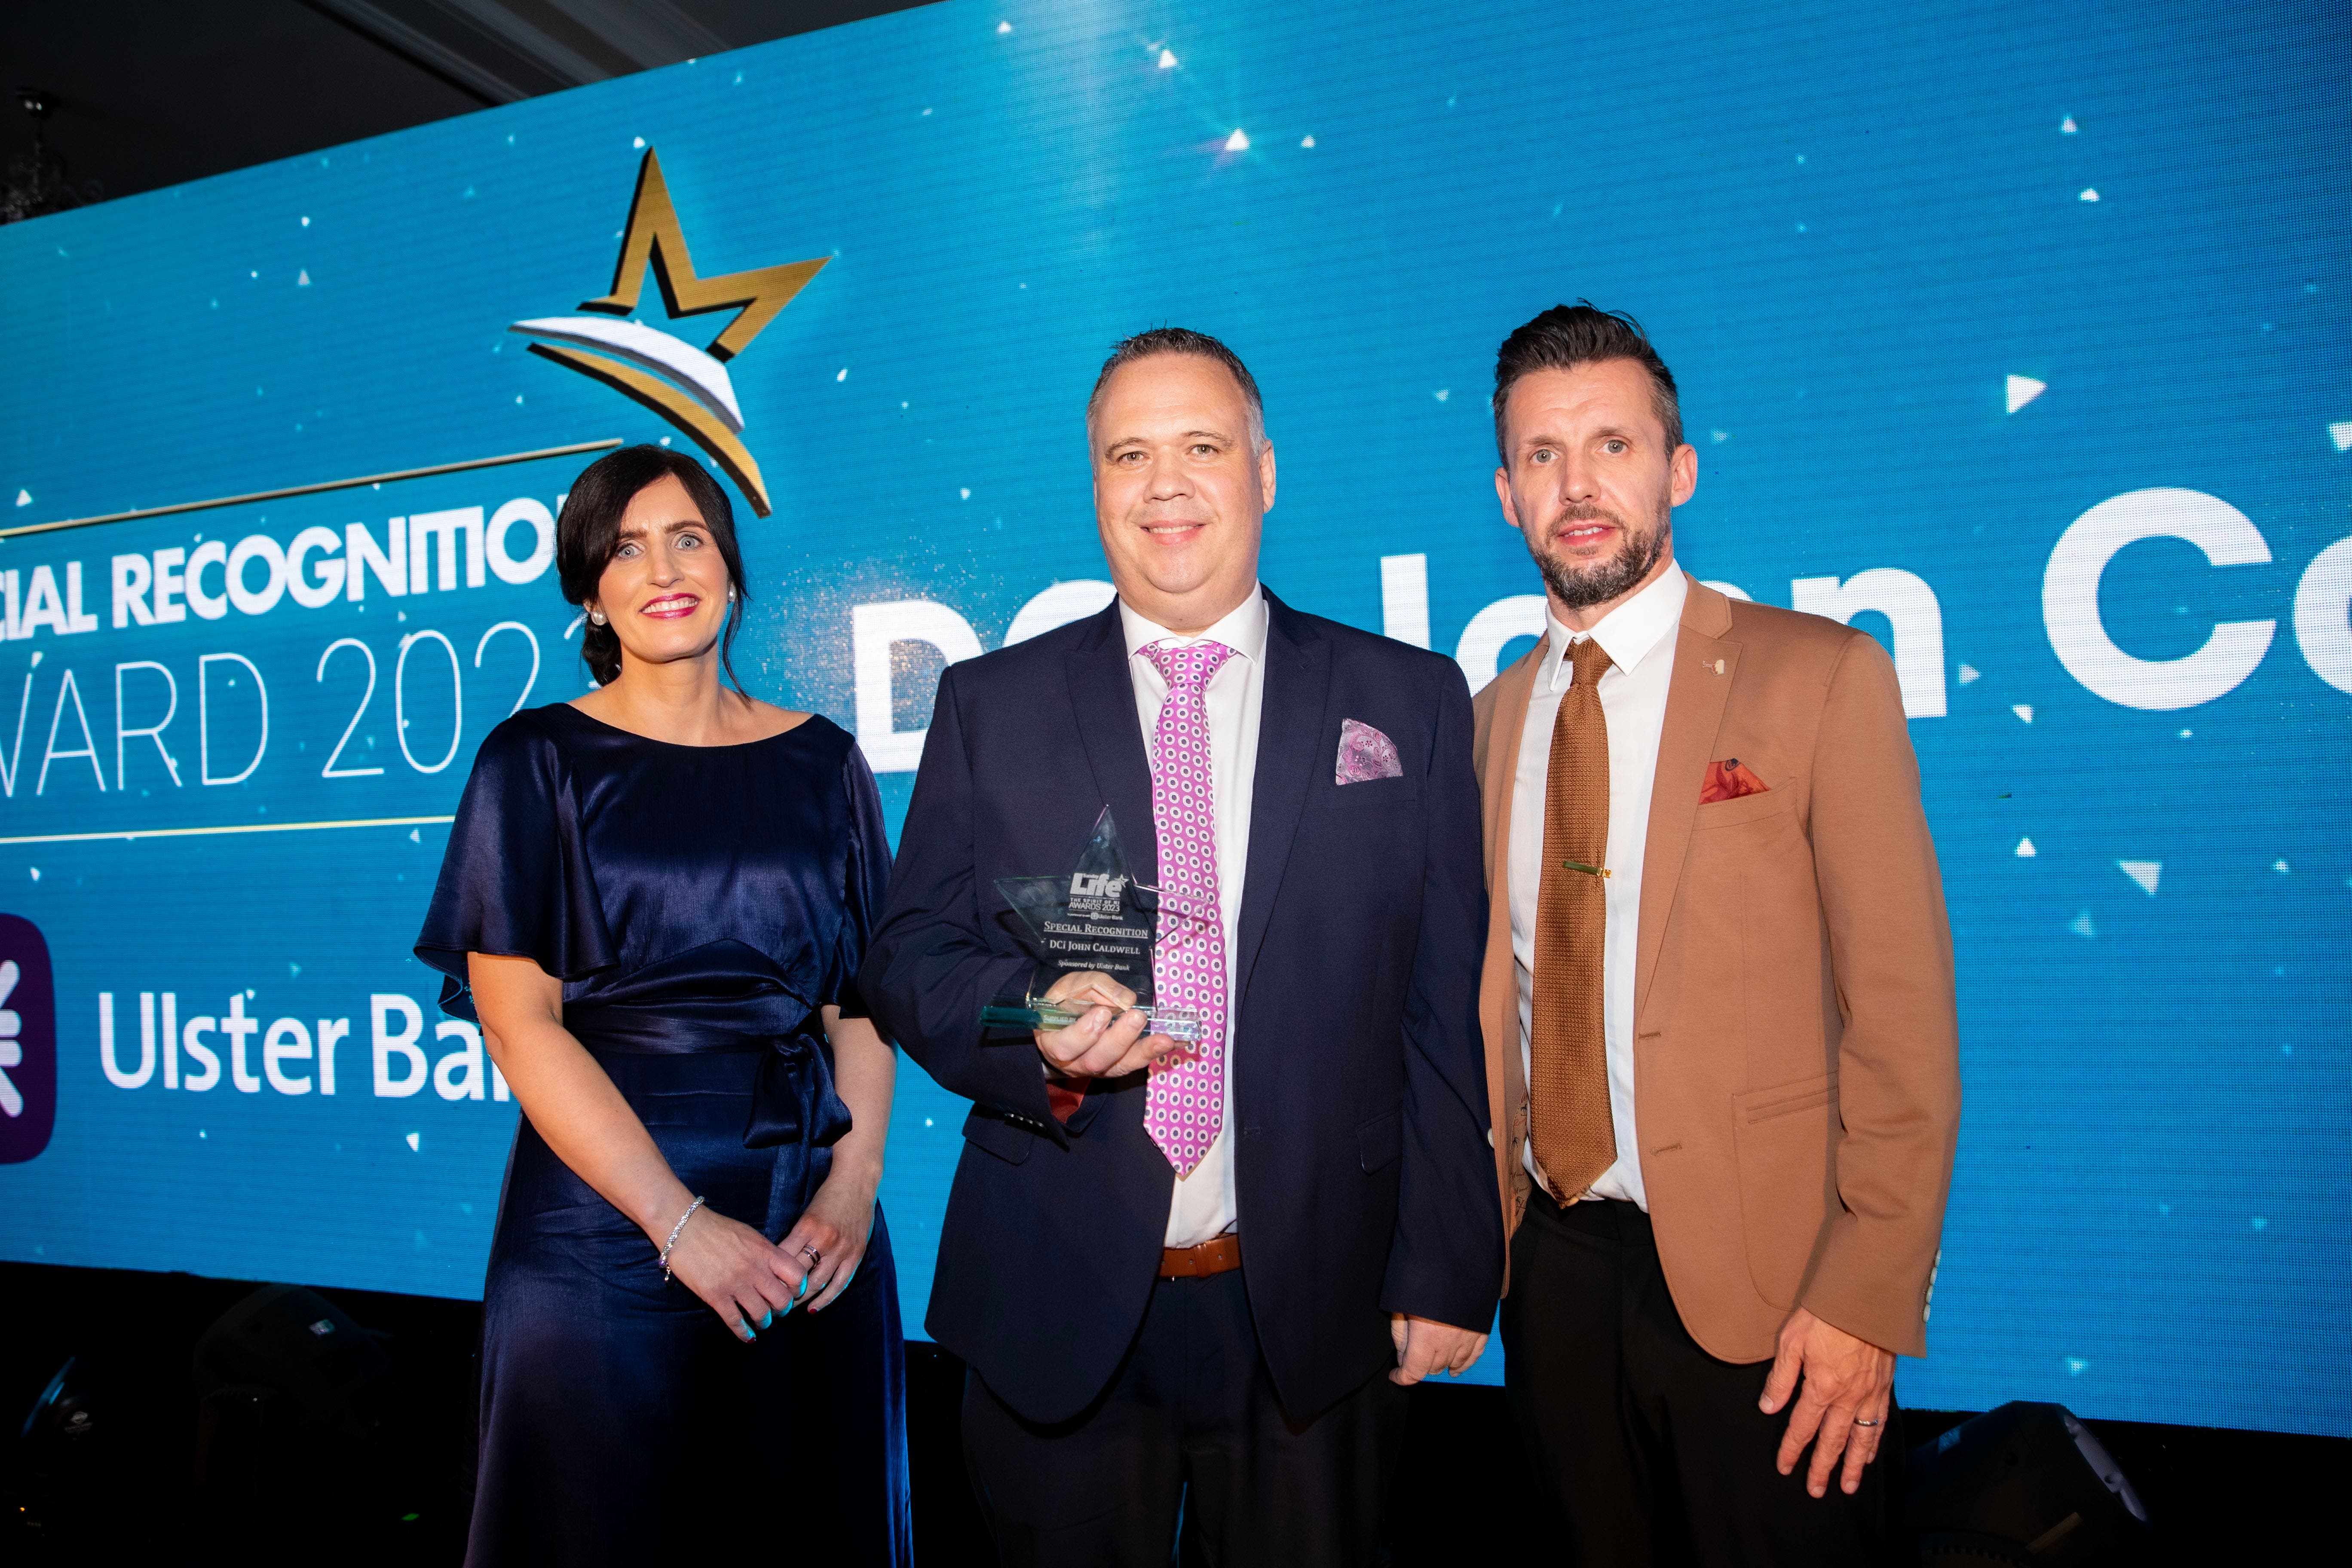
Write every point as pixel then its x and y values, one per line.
pixel 795 1107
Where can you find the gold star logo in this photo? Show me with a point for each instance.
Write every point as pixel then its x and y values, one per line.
pixel 686 385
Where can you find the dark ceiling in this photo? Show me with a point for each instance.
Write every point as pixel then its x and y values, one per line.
pixel 142 93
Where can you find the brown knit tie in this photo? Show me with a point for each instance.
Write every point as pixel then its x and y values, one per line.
pixel 1574 1139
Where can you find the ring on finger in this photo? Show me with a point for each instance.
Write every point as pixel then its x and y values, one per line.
pixel 1867 1420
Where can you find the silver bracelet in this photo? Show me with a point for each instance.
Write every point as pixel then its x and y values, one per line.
pixel 671 1243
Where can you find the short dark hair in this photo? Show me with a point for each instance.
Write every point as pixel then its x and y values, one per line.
pixel 589 532
pixel 1566 336
pixel 1180 340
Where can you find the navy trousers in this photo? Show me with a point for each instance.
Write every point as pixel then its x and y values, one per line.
pixel 1190 1429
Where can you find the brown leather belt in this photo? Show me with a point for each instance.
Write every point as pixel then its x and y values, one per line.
pixel 1221 1256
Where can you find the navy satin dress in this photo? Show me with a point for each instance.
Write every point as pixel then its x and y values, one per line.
pixel 701 905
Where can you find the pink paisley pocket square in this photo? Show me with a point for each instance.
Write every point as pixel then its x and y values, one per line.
pixel 1365 754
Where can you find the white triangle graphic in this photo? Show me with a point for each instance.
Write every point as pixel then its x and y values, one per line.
pixel 2024 711
pixel 1237 143
pixel 1969 672
pixel 2024 389
pixel 2081 925
pixel 2341 434
pixel 2144 872
pixel 2025 850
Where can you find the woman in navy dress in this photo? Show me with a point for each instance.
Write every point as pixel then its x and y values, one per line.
pixel 655 901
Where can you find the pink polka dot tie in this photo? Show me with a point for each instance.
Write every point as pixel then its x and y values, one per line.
pixel 1184 1104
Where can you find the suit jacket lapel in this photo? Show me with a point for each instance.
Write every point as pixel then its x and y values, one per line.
pixel 1290 741
pixel 1696 692
pixel 1102 694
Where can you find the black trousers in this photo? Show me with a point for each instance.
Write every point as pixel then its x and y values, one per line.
pixel 1190 1428
pixel 1645 1448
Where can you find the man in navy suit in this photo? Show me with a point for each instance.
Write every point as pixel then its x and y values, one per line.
pixel 1193 1282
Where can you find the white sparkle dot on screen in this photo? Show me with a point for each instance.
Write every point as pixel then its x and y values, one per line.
pixel 202 1133
pixel 305 223
pixel 902 402
pixel 2186 733
pixel 37 873
pixel 254 274
pixel 302 279
pixel 2076 1366
pixel 2020 390
pixel 965 493
pixel 2281 867
pixel 1442 394
pixel 2088 194
pixel 638 142
pixel 2262 1223
pixel 843 374
pixel 926 1121
pixel 415 836
pixel 2147 873
pixel 24 497
pixel 1238 142
pixel 1003 27
pixel 925 113
pixel 1801 228
pixel 2081 925
pixel 2067 127
pixel 2024 711
pixel 414 1140
pixel 518 397
pixel 1969 673
pixel 1718 436
pixel 2025 850
pixel 2340 433
pixel 1167 59
pixel 510 139
pixel 739 79
pixel 665 440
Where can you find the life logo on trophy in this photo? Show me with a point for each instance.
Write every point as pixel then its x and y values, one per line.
pixel 686 385
pixel 28 1042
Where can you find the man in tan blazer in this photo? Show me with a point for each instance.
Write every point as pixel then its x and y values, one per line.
pixel 1717 1000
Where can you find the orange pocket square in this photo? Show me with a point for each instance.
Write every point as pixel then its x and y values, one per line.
pixel 1728 780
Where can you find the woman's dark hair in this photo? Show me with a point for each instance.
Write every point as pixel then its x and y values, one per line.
pixel 589 532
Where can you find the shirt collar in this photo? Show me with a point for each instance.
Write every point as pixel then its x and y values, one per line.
pixel 1627 634
pixel 1242 630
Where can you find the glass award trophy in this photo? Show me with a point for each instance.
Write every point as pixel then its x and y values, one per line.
pixel 1089 918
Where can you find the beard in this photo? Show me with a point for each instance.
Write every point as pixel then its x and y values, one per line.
pixel 1581 584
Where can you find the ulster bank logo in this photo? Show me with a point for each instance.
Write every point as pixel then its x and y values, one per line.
pixel 686 385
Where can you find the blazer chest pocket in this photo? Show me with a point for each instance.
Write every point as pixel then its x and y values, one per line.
pixel 1784 1135
pixel 1381 1140
pixel 1369 795
pixel 997 1137
pixel 1744 808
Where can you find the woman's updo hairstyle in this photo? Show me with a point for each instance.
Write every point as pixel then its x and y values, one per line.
pixel 589 532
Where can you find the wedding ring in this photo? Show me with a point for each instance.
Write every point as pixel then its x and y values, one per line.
pixel 1865 1421
pixel 816 1258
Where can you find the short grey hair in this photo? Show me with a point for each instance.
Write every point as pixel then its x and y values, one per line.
pixel 1182 340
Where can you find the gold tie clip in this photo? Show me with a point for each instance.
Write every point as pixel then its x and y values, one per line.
pixel 1580 865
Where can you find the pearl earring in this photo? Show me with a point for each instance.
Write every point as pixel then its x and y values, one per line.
pixel 597 616
pixel 731 595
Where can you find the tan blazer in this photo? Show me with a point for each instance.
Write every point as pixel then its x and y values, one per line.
pixel 1796 1066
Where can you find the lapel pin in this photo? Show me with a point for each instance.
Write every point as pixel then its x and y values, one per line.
pixel 1719 666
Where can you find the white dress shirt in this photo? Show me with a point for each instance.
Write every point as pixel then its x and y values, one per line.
pixel 1638 636
pixel 1202 1206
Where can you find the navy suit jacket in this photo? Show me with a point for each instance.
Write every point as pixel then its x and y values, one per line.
pixel 1363 1174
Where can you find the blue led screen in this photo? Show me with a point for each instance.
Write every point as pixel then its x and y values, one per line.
pixel 2015 333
